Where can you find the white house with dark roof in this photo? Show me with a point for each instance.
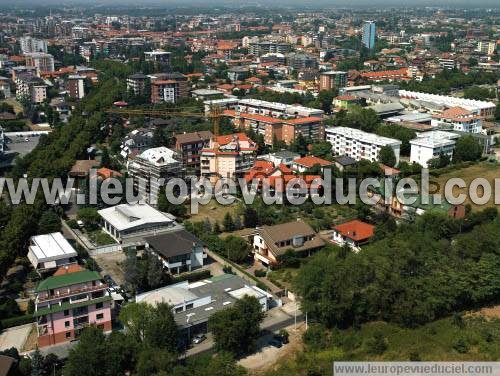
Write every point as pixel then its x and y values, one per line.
pixel 50 251
pixel 179 251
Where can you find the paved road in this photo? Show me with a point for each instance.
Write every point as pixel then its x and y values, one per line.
pixel 15 337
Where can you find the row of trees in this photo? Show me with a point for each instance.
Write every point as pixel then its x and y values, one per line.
pixel 414 275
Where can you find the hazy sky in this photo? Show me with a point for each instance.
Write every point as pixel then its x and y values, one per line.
pixel 239 3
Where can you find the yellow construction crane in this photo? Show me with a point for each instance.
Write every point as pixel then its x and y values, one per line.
pixel 215 114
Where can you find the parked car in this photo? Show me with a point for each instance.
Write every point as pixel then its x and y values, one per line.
pixel 199 338
pixel 275 343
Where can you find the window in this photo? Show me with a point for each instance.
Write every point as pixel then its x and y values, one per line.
pixel 66 324
pixel 99 316
pixel 66 312
pixel 68 334
pixel 99 305
pixel 100 327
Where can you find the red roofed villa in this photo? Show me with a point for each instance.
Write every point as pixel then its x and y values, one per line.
pixel 353 233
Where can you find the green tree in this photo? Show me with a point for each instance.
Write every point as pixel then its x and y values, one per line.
pixel 323 150
pixel 236 248
pixel 89 217
pixel 37 364
pixel 250 217
pixel 237 328
pixel 49 222
pixel 151 361
pixel 224 364
pixel 161 330
pixel 156 276
pixel 228 223
pixel 467 148
pixel 88 357
pixel 387 156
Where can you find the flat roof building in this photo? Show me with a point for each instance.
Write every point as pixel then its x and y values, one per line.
pixel 429 145
pixel 194 303
pixel 50 251
pixel 360 145
pixel 126 221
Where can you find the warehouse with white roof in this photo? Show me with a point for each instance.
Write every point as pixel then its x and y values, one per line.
pixel 50 251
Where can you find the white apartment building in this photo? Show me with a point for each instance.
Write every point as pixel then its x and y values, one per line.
pixel 358 144
pixel 429 145
pixel 29 45
pixel 486 47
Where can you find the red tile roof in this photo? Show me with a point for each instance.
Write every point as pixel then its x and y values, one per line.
pixel 72 268
pixel 107 173
pixel 310 161
pixel 355 230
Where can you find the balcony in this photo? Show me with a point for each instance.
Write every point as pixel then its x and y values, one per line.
pixel 72 292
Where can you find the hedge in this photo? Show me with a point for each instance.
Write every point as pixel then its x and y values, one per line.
pixel 192 277
pixel 15 321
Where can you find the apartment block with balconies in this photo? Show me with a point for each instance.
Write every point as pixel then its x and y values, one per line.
pixel 67 302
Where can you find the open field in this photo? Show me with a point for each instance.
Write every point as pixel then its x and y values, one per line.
pixel 213 211
pixel 484 170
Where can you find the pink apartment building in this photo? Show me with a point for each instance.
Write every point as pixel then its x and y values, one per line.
pixel 70 300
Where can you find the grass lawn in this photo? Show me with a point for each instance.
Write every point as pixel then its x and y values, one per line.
pixel 14 103
pixel 213 211
pixel 99 237
pixel 486 170
pixel 476 339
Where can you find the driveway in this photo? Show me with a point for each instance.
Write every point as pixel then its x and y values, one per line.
pixel 15 337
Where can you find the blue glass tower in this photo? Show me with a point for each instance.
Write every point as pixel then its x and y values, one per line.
pixel 369 32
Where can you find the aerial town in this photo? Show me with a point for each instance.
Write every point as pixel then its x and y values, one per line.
pixel 297 107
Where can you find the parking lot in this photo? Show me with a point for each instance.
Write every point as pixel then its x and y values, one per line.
pixel 110 263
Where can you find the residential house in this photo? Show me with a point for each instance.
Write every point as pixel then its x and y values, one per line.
pixel 308 162
pixel 353 234
pixel 272 242
pixel 179 251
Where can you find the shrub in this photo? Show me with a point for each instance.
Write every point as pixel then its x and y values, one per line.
pixel 260 273
pixel 18 320
pixel 72 223
pixel 377 344
pixel 461 346
pixel 192 277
